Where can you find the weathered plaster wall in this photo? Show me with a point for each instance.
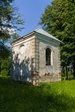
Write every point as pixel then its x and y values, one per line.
pixel 30 54
pixel 23 52
pixel 54 69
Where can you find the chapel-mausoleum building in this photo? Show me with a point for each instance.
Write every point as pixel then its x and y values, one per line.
pixel 36 57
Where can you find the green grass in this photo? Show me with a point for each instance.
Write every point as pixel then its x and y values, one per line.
pixel 20 97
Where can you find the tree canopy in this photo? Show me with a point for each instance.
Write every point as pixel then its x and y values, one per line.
pixel 9 19
pixel 59 20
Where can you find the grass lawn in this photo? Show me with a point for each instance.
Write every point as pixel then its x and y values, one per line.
pixel 54 97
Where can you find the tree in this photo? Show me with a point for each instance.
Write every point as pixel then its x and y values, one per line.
pixel 8 18
pixel 59 20
pixel 4 59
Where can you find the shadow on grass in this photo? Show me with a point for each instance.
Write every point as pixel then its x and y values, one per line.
pixel 16 97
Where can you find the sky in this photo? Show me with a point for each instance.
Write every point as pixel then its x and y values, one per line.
pixel 31 11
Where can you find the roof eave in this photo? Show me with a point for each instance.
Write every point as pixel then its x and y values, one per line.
pixel 23 37
pixel 50 37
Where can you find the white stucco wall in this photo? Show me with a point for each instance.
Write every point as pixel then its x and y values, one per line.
pixel 55 60
pixel 54 68
pixel 23 52
pixel 34 47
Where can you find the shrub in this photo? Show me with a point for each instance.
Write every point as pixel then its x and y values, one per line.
pixel 5 67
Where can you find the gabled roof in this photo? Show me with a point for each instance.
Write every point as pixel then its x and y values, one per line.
pixel 43 32
pixel 40 31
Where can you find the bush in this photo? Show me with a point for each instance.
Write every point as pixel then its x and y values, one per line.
pixel 4 72
pixel 5 67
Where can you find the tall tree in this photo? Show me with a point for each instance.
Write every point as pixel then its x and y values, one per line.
pixel 9 19
pixel 59 20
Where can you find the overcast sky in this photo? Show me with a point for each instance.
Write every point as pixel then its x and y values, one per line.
pixel 31 11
